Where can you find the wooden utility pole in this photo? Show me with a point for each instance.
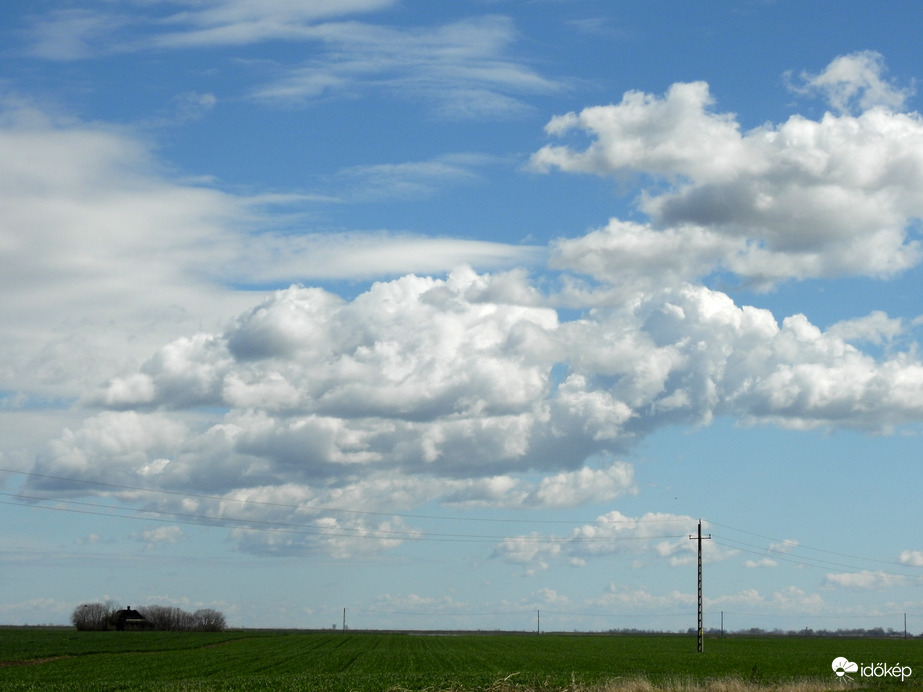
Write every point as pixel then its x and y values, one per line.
pixel 701 626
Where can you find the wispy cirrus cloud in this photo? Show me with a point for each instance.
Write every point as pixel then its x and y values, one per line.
pixel 240 22
pixel 156 253
pixel 461 70
pixel 76 34
pixel 409 179
pixel 464 70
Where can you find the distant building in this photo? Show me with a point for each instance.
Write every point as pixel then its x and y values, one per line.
pixel 129 619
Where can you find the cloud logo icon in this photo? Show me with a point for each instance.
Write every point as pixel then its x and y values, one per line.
pixel 842 665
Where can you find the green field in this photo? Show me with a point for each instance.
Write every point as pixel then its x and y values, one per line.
pixel 62 659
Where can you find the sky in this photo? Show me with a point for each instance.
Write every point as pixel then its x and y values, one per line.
pixel 462 314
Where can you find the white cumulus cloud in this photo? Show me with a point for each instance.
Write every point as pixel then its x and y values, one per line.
pixel 442 382
pixel 855 82
pixel 914 558
pixel 799 199
pixel 865 580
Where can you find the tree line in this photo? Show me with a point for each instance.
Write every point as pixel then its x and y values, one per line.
pixel 106 616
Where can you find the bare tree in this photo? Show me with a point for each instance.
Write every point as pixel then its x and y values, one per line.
pixel 93 616
pixel 166 618
pixel 208 620
pixel 103 616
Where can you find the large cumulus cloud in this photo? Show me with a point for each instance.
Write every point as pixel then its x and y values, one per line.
pixel 310 420
pixel 455 390
pixel 805 198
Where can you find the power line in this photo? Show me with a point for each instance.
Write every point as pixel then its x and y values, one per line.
pixel 801 546
pixel 308 529
pixel 202 519
pixel 303 507
pixel 808 562
pixel 815 616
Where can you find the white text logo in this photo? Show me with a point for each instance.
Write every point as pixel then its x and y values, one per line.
pixel 842 666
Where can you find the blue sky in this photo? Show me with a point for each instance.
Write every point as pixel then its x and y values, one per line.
pixel 448 313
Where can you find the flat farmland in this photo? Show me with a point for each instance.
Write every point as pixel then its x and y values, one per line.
pixel 63 659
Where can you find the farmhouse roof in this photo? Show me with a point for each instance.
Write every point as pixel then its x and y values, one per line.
pixel 129 613
pixel 130 618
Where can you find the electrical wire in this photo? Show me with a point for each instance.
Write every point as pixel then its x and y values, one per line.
pixel 314 508
pixel 802 546
pixel 249 524
pixel 309 529
pixel 809 562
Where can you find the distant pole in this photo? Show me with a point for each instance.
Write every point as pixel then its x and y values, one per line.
pixel 722 623
pixel 538 622
pixel 905 625
pixel 701 625
pixel 344 619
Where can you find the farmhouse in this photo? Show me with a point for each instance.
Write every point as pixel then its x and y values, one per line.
pixel 128 619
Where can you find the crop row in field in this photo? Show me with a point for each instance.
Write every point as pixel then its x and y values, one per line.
pixel 333 661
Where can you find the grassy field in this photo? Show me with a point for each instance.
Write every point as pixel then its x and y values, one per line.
pixel 61 659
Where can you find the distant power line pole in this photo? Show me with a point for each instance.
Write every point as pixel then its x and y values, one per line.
pixel 701 626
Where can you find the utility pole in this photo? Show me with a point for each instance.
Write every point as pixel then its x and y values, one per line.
pixel 538 622
pixel 701 626
pixel 344 619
